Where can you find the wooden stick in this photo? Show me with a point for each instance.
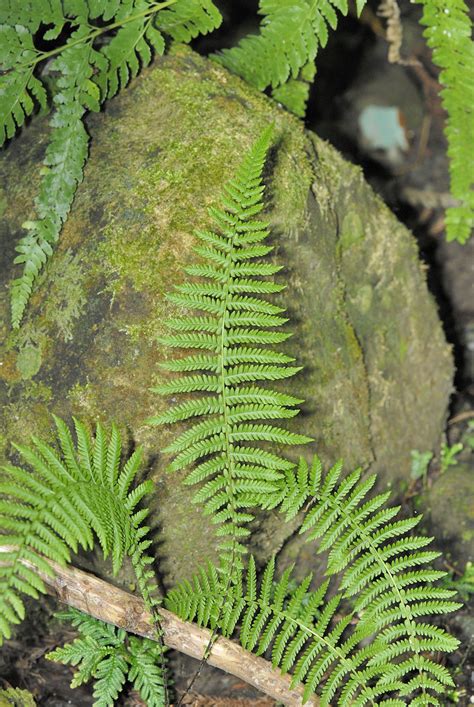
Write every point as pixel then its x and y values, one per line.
pixel 115 606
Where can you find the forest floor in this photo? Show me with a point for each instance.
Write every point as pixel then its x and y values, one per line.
pixel 411 175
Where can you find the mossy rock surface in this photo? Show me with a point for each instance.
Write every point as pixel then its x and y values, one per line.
pixel 450 511
pixel 377 370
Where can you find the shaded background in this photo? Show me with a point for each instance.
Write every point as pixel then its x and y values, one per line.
pixel 388 119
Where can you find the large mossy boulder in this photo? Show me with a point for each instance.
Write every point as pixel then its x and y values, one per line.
pixel 377 370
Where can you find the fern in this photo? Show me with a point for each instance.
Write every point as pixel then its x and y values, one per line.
pixel 89 71
pixel 448 33
pixel 64 161
pixel 375 653
pixel 17 89
pixel 294 93
pixel 110 656
pixel 235 324
pixel 290 34
pixel 382 566
pixel 187 19
pixel 60 504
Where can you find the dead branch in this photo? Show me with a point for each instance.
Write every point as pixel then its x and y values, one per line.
pixel 115 606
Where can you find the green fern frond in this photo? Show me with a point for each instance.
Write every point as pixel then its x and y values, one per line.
pixel 110 656
pixel 382 565
pixel 64 162
pixel 146 670
pixel 449 34
pixel 300 628
pixel 284 51
pixel 131 48
pixel 379 652
pixel 59 504
pixel 224 441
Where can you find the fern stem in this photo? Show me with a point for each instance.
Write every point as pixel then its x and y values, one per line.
pixel 156 7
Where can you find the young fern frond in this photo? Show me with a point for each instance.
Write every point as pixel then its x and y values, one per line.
pixel 60 503
pixel 110 656
pixel 89 72
pixel 291 32
pixel 223 441
pixel 374 654
pixel 449 34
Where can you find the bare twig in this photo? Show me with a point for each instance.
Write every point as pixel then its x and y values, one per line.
pixel 389 10
pixel 115 606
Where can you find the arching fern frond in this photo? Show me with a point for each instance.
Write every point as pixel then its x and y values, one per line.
pixel 290 35
pixel 110 656
pixel 59 503
pixel 301 630
pixel 230 419
pixel 377 650
pixel 382 565
pixel 449 34
pixel 131 48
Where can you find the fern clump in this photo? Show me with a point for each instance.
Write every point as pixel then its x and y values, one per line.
pixel 59 504
pixel 375 653
pixel 110 657
pixel 449 34
pixel 232 412
pixel 107 42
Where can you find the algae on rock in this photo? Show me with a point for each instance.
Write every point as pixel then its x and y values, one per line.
pixel 377 373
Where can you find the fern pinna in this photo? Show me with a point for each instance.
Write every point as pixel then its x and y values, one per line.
pixel 110 656
pixel 376 653
pixel 58 504
pixel 237 323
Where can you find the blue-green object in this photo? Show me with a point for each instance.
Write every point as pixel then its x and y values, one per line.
pixel 381 129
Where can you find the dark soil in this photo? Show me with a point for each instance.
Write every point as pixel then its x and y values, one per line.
pixel 352 73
